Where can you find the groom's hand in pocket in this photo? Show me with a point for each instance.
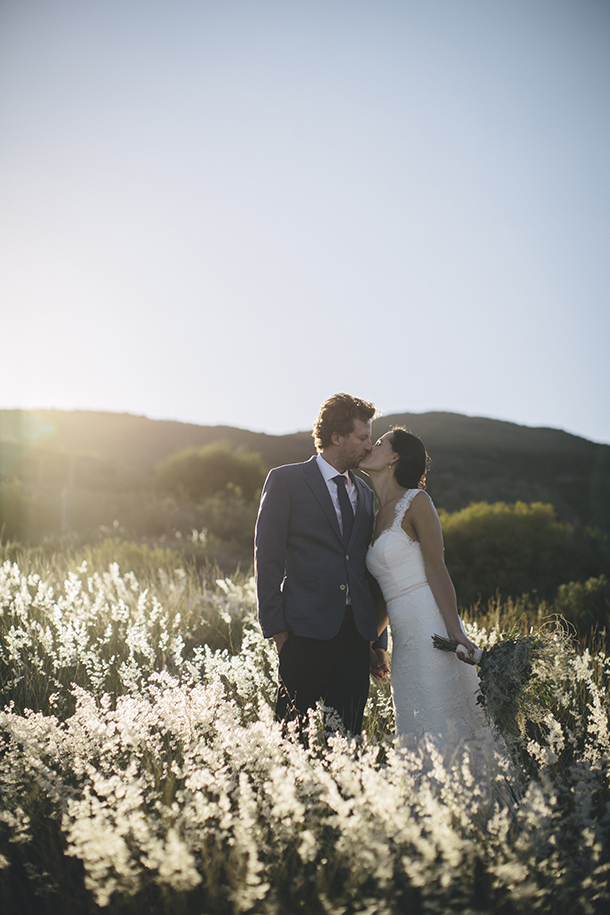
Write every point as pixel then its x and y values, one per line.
pixel 380 667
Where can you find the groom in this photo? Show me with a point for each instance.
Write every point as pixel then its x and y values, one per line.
pixel 315 598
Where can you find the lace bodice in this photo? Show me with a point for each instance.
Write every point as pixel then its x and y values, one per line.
pixel 393 558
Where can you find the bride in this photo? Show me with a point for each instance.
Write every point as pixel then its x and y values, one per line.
pixel 433 691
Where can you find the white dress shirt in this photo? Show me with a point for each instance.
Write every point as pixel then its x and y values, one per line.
pixel 328 472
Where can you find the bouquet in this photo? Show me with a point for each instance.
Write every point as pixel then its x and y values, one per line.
pixel 513 675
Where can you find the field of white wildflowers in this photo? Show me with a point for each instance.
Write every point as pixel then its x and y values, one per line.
pixel 141 771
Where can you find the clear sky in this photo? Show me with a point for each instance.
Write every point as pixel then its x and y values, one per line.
pixel 222 211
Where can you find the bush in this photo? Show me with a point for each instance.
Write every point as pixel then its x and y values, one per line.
pixel 585 604
pixel 514 549
pixel 14 507
pixel 230 519
pixel 199 473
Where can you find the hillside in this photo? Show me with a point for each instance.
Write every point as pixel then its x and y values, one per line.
pixel 473 458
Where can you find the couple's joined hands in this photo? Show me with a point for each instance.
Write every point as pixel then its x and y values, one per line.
pixel 380 667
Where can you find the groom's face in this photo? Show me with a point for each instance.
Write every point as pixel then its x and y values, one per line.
pixel 354 447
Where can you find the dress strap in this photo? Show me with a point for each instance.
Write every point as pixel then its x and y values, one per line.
pixel 403 505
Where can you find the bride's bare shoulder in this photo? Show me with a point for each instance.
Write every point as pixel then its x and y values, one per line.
pixel 420 506
pixel 421 500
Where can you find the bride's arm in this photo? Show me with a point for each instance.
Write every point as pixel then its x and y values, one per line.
pixel 423 519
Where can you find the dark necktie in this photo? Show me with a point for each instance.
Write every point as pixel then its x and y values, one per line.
pixel 347 513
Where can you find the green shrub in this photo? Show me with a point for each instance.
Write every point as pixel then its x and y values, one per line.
pixel 199 473
pixel 516 549
pixel 586 604
pixel 230 518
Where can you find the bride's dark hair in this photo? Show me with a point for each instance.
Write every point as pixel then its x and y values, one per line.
pixel 413 461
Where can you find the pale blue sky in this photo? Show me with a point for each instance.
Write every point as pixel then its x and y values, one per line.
pixel 223 212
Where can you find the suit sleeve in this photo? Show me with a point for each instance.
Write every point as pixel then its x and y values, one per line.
pixel 382 641
pixel 270 553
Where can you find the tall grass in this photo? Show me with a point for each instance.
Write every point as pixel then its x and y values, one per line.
pixel 141 769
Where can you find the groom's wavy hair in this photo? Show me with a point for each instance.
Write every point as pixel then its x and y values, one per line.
pixel 337 414
pixel 413 460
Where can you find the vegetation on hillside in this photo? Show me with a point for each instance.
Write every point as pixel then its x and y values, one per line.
pixel 513 549
pixel 198 473
pixel 79 470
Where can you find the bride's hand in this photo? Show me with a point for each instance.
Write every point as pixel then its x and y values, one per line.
pixel 466 656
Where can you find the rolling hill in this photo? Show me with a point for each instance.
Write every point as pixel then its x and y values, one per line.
pixel 473 458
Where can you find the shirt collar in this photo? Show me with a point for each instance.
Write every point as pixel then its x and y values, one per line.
pixel 328 471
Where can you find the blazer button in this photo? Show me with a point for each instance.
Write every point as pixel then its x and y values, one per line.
pixel 342 587
pixel 347 557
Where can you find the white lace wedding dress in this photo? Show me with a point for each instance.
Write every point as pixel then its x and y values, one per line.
pixel 434 692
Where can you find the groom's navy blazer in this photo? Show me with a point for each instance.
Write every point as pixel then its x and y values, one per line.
pixel 303 568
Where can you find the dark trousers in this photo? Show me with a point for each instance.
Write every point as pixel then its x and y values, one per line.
pixel 334 670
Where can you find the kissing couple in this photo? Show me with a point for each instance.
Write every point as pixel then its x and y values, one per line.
pixel 331 573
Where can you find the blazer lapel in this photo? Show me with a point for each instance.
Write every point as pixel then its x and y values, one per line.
pixel 318 485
